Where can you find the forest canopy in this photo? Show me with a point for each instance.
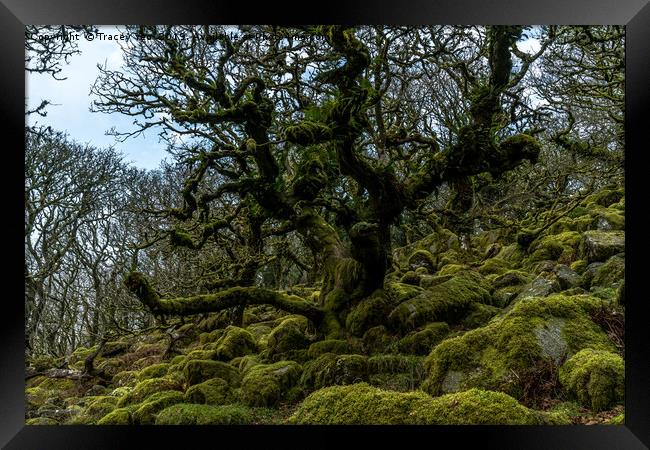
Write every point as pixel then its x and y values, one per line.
pixel 333 195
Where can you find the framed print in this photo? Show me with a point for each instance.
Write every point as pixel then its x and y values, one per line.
pixel 406 221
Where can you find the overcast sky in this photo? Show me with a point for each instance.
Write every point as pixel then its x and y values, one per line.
pixel 71 101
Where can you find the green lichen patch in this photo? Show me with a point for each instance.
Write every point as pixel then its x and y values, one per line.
pixel 421 342
pixel 595 377
pixel 367 405
pixel 446 302
pixel 212 392
pixel 235 342
pixel 330 369
pixel 267 384
pixel 491 356
pixel 198 371
pixel 193 414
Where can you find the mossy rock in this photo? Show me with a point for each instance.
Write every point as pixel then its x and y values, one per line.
pixel 212 336
pixel 330 369
pixel 290 334
pixel 478 315
pixel 212 392
pixel 511 278
pixel 411 277
pixel 337 346
pixel 446 302
pixel 542 286
pixel 95 410
pixel 494 265
pixel 235 342
pixel 452 269
pixel 41 421
pixel 267 384
pixel 43 362
pixel 400 292
pixel 595 377
pixel 579 266
pixel 422 258
pixel 368 313
pixel 610 274
pixel 535 329
pixel 560 247
pixel 154 371
pixel 429 281
pixel 145 414
pixel 421 342
pixel 601 245
pixel 511 253
pixel 193 414
pixel 120 416
pixel 198 371
pixel 361 404
pixel 146 388
pixel 377 340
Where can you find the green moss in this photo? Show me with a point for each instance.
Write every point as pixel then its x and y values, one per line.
pixel 154 371
pixel 601 245
pixel 410 277
pixel 41 421
pixel 511 253
pixel 494 265
pixel 400 292
pixel 235 342
pixel 366 405
pixel 198 371
pixel 191 414
pixel 595 377
pixel 610 274
pixel 491 357
pixel 422 258
pixel 447 302
pixel 212 392
pixel 421 342
pixel 377 340
pixel 147 388
pixel 145 414
pixel 121 416
pixel 579 266
pixel 212 336
pixel 368 313
pixel 452 269
pixel 337 346
pixel 479 315
pixel 511 278
pixel 604 197
pixel 330 369
pixel 560 247
pixel 95 410
pixel 267 384
pixel 290 334
pixel 617 420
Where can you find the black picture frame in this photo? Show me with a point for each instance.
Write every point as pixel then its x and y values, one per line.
pixel 635 14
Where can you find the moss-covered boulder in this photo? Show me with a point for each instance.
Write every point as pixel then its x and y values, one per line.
pixel 120 416
pixel 361 404
pixel 478 315
pixel 421 342
pixel 411 278
pixel 147 388
pixel 212 392
pixel 153 371
pixel 192 414
pixel 400 292
pixel 198 371
pixel 234 342
pixel 145 412
pixel 446 302
pixel 377 340
pixel 595 377
pixel 337 346
pixel 494 265
pixel 267 384
pixel 95 409
pixel 601 245
pixel 330 369
pixel 371 312
pixel 491 357
pixel 610 274
pixel 290 334
pixel 560 247
pixel 422 258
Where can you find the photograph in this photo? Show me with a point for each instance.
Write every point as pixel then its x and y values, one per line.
pixel 325 225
